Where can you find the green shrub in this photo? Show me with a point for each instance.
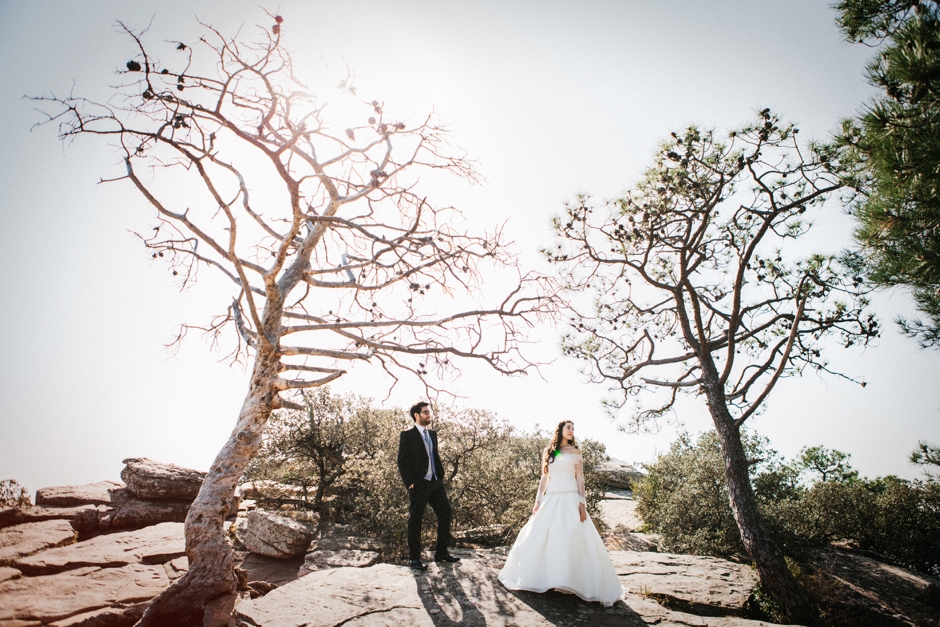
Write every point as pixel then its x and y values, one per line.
pixel 12 494
pixel 684 499
pixel 343 452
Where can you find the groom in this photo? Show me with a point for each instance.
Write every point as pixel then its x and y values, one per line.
pixel 420 468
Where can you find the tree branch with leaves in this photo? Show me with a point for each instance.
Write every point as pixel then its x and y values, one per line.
pixel 686 284
pixel 333 254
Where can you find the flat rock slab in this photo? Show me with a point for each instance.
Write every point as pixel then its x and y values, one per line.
pixel 343 558
pixel 28 538
pixel 57 597
pixel 700 584
pixel 148 479
pixel 466 593
pixel 76 495
pixel 151 545
pixel 7 573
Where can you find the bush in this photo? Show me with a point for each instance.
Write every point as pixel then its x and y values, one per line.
pixel 343 452
pixel 12 494
pixel 684 496
pixel 684 499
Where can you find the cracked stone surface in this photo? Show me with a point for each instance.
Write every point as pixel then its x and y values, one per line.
pixel 352 558
pixel 446 595
pixel 28 538
pixel 80 591
pixel 150 545
pixel 705 584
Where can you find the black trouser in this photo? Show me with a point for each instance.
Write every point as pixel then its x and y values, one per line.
pixel 423 494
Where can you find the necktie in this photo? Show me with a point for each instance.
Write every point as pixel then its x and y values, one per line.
pixel 427 443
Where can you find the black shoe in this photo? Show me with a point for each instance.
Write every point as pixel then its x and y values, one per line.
pixel 446 558
pixel 417 565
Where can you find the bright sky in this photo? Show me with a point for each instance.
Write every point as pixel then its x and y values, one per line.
pixel 550 98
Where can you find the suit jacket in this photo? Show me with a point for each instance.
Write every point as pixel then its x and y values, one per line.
pixel 413 456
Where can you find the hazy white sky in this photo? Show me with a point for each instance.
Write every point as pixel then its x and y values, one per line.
pixel 550 98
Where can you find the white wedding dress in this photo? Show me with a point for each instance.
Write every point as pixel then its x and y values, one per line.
pixel 555 549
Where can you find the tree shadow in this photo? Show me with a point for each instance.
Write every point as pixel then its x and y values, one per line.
pixel 469 594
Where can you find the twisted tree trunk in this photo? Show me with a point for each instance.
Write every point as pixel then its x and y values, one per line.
pixel 211 571
pixel 775 576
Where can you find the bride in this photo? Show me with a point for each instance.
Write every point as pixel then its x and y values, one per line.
pixel 559 546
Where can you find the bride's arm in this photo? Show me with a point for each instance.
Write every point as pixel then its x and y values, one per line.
pixel 579 477
pixel 543 485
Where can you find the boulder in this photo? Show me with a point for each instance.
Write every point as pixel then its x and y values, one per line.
pixel 136 513
pixel 34 600
pixel 151 545
pixel 696 584
pixel 617 474
pixel 343 558
pixel 77 495
pixel 151 480
pixel 28 538
pixel 276 536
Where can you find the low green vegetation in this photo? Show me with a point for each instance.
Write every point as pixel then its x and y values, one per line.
pixel 338 457
pixel 12 494
pixel 811 501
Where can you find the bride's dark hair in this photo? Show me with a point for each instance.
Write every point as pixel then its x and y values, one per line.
pixel 555 447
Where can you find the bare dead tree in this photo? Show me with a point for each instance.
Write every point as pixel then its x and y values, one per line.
pixel 694 292
pixel 322 231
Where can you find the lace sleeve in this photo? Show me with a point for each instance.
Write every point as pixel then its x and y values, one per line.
pixel 579 477
pixel 543 485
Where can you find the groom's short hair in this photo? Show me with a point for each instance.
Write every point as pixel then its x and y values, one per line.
pixel 416 409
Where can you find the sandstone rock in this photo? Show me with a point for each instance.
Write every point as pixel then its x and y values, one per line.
pixel 75 592
pixel 466 593
pixel 28 538
pixel 151 545
pixel 276 536
pixel 130 513
pixel 343 558
pixel 7 573
pixel 151 480
pixel 617 474
pixel 119 615
pixel 77 495
pixel 862 591
pixel 697 584
pixel 273 570
pixel 386 594
pixel 83 518
pixel 136 513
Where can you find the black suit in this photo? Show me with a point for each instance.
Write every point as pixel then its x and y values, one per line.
pixel 413 467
